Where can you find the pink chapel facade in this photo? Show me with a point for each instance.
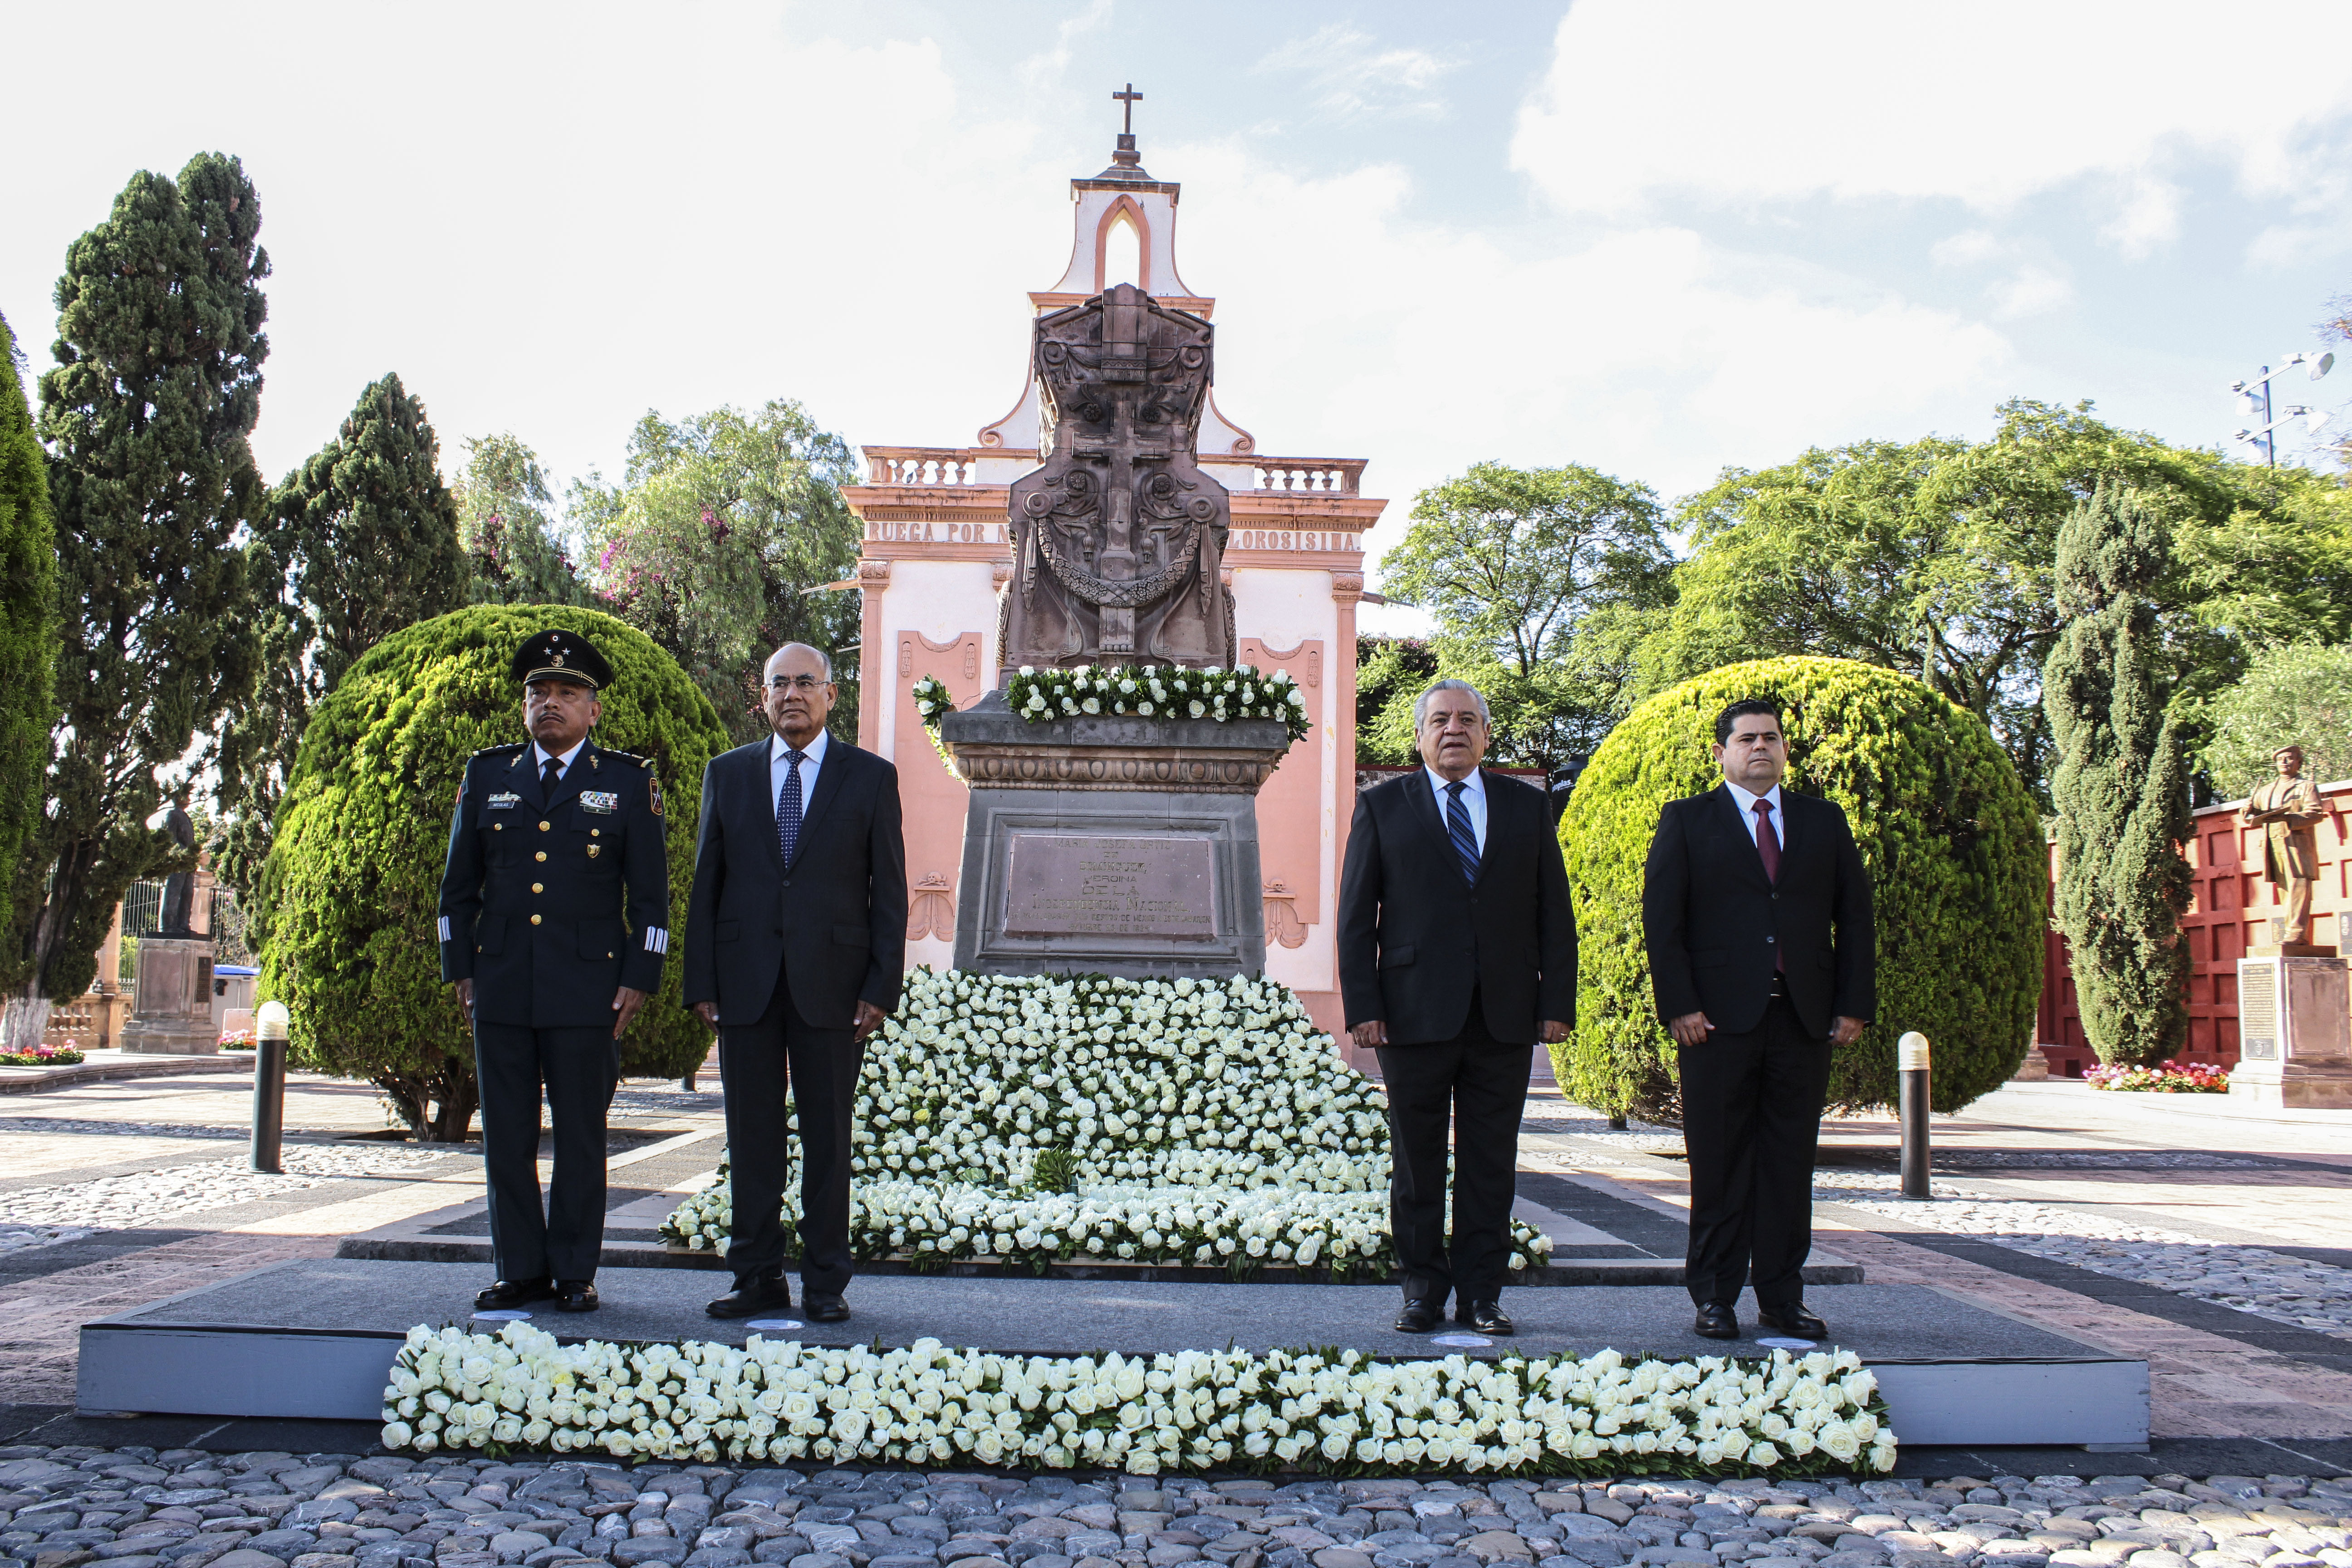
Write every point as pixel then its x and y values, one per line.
pixel 935 554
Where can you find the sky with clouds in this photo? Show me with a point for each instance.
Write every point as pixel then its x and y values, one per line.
pixel 1657 237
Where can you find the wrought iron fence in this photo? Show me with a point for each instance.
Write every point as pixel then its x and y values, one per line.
pixel 143 916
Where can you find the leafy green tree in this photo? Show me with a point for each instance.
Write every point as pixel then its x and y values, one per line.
pixel 364 541
pixel 145 415
pixel 716 543
pixel 2121 782
pixel 347 901
pixel 1950 837
pixel 1935 558
pixel 505 526
pixel 28 626
pixel 1390 673
pixel 1540 581
pixel 2300 695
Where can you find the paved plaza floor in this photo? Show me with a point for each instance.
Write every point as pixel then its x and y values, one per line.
pixel 2192 1233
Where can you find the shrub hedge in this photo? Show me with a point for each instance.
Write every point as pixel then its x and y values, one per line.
pixel 1953 844
pixel 350 893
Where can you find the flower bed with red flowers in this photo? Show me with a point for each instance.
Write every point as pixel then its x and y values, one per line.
pixel 2164 1077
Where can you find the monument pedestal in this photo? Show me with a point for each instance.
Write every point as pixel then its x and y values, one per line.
pixel 1111 845
pixel 172 1004
pixel 2294 1031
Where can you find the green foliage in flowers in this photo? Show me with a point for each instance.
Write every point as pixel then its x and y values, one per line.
pixel 1952 839
pixel 1027 1120
pixel 2164 1077
pixel 1337 1412
pixel 506 524
pixel 347 898
pixel 1155 692
pixel 2121 785
pixel 29 620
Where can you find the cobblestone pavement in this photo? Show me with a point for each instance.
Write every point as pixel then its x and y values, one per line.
pixel 118 1203
pixel 136 1508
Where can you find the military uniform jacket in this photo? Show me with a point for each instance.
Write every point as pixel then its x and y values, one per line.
pixel 550 904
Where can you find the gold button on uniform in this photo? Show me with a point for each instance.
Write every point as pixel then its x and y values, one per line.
pixel 534 919
pixel 538 888
pixel 545 826
pixel 540 856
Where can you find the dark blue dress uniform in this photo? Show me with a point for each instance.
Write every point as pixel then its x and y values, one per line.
pixel 551 901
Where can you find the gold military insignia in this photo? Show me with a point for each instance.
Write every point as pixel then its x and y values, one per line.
pixel 653 787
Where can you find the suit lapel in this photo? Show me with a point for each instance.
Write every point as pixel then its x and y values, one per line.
pixel 1493 823
pixel 758 787
pixel 1729 820
pixel 1425 811
pixel 1786 820
pixel 828 785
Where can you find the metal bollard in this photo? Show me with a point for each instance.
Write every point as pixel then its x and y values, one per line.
pixel 269 1023
pixel 1911 1065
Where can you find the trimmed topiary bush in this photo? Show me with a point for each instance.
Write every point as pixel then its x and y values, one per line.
pixel 350 893
pixel 1953 844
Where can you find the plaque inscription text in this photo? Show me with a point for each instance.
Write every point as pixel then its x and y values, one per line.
pixel 1066 884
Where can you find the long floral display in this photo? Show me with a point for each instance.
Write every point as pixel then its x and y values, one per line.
pixel 1143 690
pixel 1025 1119
pixel 1330 1411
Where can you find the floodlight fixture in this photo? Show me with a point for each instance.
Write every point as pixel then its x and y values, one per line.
pixel 2253 395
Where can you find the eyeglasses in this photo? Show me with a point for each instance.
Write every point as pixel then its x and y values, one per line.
pixel 805 685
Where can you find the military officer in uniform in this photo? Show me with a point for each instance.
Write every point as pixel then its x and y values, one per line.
pixel 555 923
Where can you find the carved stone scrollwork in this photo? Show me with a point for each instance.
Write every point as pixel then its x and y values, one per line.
pixel 1118 536
pixel 1347 588
pixel 930 908
pixel 1113 768
pixel 1281 921
pixel 874 576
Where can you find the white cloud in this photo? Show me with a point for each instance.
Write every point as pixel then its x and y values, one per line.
pixel 1735 103
pixel 2033 286
pixel 1349 76
pixel 1042 71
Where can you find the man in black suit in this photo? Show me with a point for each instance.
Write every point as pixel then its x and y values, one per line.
pixel 1457 951
pixel 795 949
pixel 1756 911
pixel 554 843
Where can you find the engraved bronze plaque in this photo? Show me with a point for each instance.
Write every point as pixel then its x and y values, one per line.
pixel 1068 884
pixel 2258 1009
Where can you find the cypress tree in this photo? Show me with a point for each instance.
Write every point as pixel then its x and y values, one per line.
pixel 28 612
pixel 363 542
pixel 2121 785
pixel 146 416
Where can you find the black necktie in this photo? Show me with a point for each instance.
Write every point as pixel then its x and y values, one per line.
pixel 788 807
pixel 548 772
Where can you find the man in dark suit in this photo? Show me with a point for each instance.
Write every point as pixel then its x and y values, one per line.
pixel 1457 951
pixel 555 919
pixel 1756 911
pixel 795 949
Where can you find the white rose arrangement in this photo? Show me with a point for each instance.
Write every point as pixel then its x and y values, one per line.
pixel 1026 1119
pixel 1147 691
pixel 1331 1411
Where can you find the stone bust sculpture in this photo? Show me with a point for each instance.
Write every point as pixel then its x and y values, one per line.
pixel 1119 539
pixel 2287 808
pixel 180 886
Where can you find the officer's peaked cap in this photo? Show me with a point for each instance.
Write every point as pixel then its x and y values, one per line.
pixel 558 655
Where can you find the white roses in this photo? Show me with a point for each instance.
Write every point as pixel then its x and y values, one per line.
pixel 1146 690
pixel 1191 1410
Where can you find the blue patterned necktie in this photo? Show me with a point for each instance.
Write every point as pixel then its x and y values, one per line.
pixel 788 806
pixel 1457 827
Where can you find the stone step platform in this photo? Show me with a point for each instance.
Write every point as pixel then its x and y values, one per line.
pixel 315 1337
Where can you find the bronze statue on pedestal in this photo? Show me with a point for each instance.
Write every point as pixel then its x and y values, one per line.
pixel 1118 540
pixel 2287 809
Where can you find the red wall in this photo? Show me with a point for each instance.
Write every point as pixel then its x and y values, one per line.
pixel 2229 909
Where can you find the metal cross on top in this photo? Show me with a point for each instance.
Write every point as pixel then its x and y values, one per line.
pixel 1130 98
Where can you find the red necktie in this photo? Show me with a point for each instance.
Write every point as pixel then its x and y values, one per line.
pixel 1768 848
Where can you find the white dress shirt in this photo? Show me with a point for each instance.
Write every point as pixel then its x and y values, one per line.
pixel 1746 804
pixel 1474 800
pixel 780 766
pixel 539 756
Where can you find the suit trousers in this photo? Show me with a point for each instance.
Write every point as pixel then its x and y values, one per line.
pixel 758 1062
pixel 579 1068
pixel 1480 1084
pixel 1751 1119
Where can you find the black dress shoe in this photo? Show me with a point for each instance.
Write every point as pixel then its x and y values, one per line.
pixel 1794 1319
pixel 1716 1321
pixel 823 1308
pixel 514 1293
pixel 575 1295
pixel 1420 1316
pixel 1486 1316
pixel 751 1297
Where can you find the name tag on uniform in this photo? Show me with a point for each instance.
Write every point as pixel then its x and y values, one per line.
pixel 503 801
pixel 603 802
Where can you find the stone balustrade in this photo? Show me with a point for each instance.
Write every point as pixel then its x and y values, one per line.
pixel 925 465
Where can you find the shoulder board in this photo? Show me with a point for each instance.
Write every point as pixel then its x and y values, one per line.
pixel 629 757
pixel 501 751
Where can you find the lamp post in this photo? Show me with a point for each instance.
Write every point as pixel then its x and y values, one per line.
pixel 1911 1065
pixel 270 1022
pixel 2254 398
